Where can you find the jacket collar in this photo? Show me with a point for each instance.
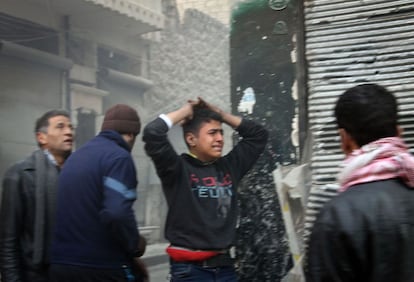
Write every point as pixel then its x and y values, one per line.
pixel 29 163
pixel 194 161
pixel 116 137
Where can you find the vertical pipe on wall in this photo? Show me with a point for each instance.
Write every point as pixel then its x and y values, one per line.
pixel 67 97
pixel 301 76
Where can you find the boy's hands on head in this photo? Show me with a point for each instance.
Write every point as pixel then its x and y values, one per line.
pixel 228 118
pixel 188 112
pixel 183 114
pixel 189 109
pixel 199 103
pixel 203 104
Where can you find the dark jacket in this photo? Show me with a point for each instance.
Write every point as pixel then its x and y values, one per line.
pixel 27 210
pixel 202 197
pixel 364 234
pixel 95 222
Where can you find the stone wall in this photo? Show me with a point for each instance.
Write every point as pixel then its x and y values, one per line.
pixel 191 60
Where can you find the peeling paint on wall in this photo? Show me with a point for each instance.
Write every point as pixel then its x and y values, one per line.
pixel 262 89
pixel 247 101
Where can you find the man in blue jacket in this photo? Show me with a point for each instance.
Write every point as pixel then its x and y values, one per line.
pixel 96 236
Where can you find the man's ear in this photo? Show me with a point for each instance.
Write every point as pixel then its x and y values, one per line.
pixel 400 131
pixel 41 138
pixel 190 139
pixel 347 142
pixel 130 136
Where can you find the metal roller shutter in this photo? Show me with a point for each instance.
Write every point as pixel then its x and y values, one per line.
pixel 349 42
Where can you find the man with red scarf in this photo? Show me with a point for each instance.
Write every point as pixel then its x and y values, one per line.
pixel 366 233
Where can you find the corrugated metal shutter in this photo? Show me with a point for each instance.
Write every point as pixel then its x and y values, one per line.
pixel 349 42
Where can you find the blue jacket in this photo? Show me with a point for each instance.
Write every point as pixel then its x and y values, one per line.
pixel 95 222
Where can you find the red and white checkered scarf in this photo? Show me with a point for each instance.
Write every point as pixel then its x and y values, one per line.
pixel 385 158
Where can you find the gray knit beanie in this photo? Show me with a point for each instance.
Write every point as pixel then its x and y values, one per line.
pixel 123 119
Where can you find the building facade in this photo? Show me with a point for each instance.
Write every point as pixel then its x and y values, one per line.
pixel 83 56
pixel 86 55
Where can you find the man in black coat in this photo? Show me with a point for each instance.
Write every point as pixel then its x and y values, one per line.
pixel 28 201
pixel 366 233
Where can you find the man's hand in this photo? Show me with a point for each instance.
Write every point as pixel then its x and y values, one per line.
pixel 142 246
pixel 140 270
pixel 183 114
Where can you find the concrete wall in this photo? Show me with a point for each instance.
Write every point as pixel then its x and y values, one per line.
pixel 27 91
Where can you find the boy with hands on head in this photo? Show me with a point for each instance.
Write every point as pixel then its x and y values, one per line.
pixel 201 186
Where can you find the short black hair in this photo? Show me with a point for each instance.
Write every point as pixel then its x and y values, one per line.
pixel 43 122
pixel 200 116
pixel 368 112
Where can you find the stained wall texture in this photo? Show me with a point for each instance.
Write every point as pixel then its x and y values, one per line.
pixel 262 79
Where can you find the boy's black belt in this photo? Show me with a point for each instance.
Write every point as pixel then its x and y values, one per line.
pixel 219 260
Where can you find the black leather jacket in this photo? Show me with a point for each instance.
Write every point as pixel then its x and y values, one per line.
pixel 365 234
pixel 17 224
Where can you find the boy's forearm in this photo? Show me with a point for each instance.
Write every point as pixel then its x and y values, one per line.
pixel 185 113
pixel 230 119
pixel 181 114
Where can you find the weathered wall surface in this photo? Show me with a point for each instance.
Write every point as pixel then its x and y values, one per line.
pixel 262 88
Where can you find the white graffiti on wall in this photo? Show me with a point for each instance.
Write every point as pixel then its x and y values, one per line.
pixel 247 101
